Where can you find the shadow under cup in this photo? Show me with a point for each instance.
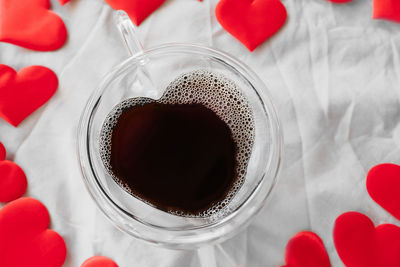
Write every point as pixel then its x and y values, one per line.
pixel 148 75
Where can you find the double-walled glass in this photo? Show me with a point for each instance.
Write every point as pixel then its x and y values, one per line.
pixel 147 73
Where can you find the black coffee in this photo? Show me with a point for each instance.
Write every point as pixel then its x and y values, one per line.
pixel 185 153
pixel 176 157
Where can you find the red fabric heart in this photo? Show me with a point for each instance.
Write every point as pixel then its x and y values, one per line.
pixel 23 92
pixel 387 9
pixel 12 181
pixel 24 237
pixel 306 249
pixel 383 185
pixel 63 2
pixel 99 261
pixel 137 10
pixel 251 21
pixel 360 244
pixel 2 152
pixel 30 24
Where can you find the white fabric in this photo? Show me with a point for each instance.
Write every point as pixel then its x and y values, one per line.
pixel 332 71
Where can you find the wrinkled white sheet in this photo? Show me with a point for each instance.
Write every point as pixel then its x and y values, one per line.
pixel 334 75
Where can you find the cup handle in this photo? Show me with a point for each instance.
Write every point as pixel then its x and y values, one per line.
pixel 135 48
pixel 128 31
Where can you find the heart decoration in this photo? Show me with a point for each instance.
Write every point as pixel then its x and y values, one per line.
pixel 2 152
pixel 137 10
pixel 30 24
pixel 251 21
pixel 24 237
pixel 386 9
pixel 99 261
pixel 360 244
pixel 63 2
pixel 306 249
pixel 383 185
pixel 23 92
pixel 12 181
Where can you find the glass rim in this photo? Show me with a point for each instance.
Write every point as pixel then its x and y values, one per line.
pixel 175 237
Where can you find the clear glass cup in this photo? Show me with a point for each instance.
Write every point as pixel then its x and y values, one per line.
pixel 147 73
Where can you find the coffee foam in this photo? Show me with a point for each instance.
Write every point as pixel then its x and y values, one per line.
pixel 213 91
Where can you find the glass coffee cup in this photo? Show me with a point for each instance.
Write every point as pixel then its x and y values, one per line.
pixel 147 74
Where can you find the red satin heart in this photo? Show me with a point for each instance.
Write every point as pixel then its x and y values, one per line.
pixel 383 185
pixel 23 92
pixel 12 181
pixel 251 21
pixel 63 2
pixel 306 249
pixel 137 10
pixel 360 244
pixel 99 261
pixel 387 9
pixel 2 152
pixel 30 24
pixel 24 237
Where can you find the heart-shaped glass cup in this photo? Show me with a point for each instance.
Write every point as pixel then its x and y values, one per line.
pixel 147 73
